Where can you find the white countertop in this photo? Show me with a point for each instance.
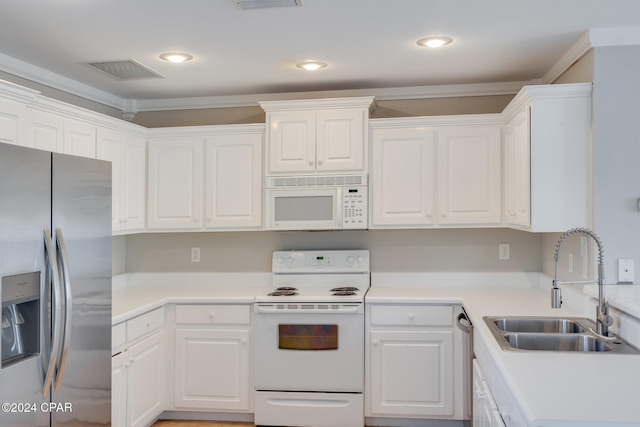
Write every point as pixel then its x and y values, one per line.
pixel 552 389
pixel 136 294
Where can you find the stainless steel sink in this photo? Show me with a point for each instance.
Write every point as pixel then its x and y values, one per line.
pixel 556 342
pixel 556 334
pixel 539 324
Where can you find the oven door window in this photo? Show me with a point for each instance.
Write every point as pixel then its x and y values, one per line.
pixel 308 337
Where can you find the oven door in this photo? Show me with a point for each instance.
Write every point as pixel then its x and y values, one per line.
pixel 304 209
pixel 309 347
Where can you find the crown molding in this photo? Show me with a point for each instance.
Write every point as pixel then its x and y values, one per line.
pixel 380 94
pixel 44 77
pixel 596 37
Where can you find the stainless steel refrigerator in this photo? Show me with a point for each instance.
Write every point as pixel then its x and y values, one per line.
pixel 55 265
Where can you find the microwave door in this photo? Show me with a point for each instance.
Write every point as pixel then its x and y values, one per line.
pixel 308 209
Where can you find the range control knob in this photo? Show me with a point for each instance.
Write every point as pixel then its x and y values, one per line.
pixel 350 259
pixel 360 259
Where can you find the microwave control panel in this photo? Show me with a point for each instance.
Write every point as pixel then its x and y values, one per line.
pixel 354 207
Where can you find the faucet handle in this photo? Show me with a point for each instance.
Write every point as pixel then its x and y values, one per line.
pixel 556 297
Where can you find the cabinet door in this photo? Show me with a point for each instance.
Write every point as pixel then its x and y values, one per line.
pixel 145 381
pixel 402 177
pixel 44 131
pixel 291 142
pixel 175 184
pixel 517 176
pixel 340 140
pixel 119 364
pixel 134 160
pixel 80 138
pixel 412 372
pixel 233 186
pixel 469 176
pixel 12 122
pixel 212 369
pixel 109 148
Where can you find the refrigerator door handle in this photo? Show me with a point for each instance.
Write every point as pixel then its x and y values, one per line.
pixel 68 301
pixel 56 300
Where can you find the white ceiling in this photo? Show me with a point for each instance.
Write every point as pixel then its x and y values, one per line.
pixel 249 54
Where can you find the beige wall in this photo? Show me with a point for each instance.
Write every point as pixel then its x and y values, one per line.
pixel 384 109
pixel 459 250
pixel 580 72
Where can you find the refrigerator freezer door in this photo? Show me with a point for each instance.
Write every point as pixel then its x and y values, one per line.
pixel 25 211
pixel 82 220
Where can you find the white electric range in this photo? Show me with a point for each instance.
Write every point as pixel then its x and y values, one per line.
pixel 309 340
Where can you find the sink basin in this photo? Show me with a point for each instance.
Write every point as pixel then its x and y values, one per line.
pixel 538 324
pixel 556 342
pixel 555 334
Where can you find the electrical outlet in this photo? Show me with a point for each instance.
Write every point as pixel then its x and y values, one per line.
pixel 625 271
pixel 504 251
pixel 195 254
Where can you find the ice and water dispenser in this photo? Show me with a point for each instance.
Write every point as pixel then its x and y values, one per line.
pixel 20 318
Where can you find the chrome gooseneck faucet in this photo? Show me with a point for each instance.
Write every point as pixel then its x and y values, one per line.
pixel 603 320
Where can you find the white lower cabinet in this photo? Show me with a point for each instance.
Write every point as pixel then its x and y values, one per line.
pixel 138 371
pixel 493 404
pixel 414 362
pixel 212 368
pixel 485 411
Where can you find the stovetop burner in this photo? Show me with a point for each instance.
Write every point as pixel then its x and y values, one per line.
pixel 345 289
pixel 284 291
pixel 343 293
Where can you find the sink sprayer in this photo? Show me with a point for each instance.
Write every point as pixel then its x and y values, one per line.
pixel 603 320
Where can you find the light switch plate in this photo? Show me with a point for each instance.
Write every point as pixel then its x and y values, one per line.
pixel 625 271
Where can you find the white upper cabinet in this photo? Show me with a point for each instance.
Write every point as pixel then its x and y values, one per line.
pixel 435 171
pixel 13 112
pixel 517 194
pixel 12 119
pixel 175 183
pixel 80 138
pixel 233 180
pixel 44 131
pixel 317 136
pixel 469 175
pixel 547 158
pixel 206 177
pixel 127 154
pixel 402 178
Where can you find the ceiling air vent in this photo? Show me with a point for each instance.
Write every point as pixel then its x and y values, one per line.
pixel 266 4
pixel 127 69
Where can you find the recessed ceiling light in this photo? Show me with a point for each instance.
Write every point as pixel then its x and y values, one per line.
pixel 436 41
pixel 311 65
pixel 176 57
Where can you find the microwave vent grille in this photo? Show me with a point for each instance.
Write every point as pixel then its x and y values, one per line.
pixel 318 181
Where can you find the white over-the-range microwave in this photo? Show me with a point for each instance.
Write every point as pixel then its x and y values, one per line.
pixel 336 202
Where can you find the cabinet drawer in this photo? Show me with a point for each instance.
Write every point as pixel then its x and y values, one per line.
pixel 213 314
pixel 145 324
pixel 118 338
pixel 412 315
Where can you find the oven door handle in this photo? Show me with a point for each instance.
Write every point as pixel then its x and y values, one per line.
pixel 345 309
